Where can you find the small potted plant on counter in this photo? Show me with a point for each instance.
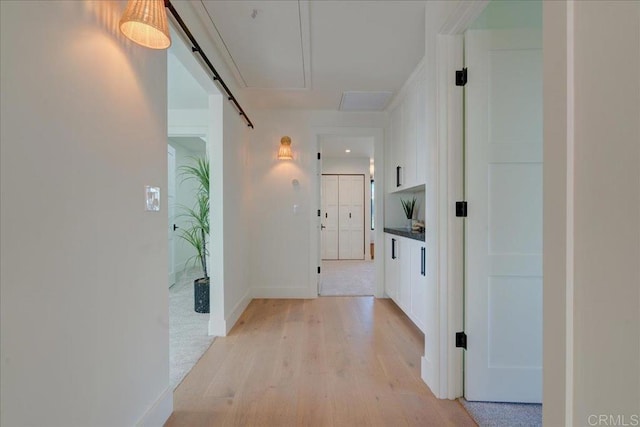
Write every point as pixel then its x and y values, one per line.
pixel 197 232
pixel 409 206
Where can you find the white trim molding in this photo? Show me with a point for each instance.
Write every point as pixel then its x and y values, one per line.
pixel 159 412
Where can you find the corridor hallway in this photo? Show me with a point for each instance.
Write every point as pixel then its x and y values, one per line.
pixel 334 361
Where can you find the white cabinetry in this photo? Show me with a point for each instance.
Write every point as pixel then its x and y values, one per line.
pixel 406 276
pixel 421 131
pixel 418 284
pixel 404 287
pixel 395 152
pixel 406 167
pixel 391 266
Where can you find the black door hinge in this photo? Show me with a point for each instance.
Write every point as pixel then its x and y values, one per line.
pixel 318 269
pixel 461 209
pixel 461 77
pixel 319 156
pixel 461 340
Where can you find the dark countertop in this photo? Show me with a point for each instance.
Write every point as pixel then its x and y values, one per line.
pixel 415 235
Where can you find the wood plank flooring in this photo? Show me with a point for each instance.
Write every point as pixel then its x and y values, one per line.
pixel 333 361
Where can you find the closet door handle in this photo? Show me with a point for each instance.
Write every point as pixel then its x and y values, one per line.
pixel 398 168
pixel 423 262
pixel 349 215
pixel 393 248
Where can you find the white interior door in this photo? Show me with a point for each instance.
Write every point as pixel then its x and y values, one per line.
pixel 329 223
pixel 171 207
pixel 351 216
pixel 503 277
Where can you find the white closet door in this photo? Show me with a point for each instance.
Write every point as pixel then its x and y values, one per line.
pixel 329 218
pixel 503 290
pixel 351 216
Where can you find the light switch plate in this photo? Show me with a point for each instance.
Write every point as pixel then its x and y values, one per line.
pixel 152 198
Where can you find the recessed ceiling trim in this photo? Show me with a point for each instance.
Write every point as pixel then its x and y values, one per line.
pixel 305 40
pixel 298 43
pixel 212 30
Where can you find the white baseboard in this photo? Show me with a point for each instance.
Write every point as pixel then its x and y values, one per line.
pixel 294 293
pixel 429 377
pixel 159 412
pixel 237 311
pixel 220 327
pixel 217 326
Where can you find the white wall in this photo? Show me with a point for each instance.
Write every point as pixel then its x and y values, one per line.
pixel 592 213
pixel 84 304
pixel 355 166
pixel 282 242
pixel 238 214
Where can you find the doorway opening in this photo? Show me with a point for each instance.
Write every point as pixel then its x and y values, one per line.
pixel 347 233
pixel 191 117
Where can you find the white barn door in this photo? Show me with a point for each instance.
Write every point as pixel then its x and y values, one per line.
pixel 503 244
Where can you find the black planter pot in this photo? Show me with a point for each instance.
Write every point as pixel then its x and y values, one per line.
pixel 201 295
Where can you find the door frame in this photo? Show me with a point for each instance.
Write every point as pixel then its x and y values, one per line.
pixel 172 218
pixel 207 124
pixel 315 252
pixel 445 185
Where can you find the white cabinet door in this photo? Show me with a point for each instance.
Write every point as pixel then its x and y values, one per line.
pixel 351 216
pixel 418 311
pixel 407 138
pixel 404 291
pixel 329 228
pixel 406 277
pixel 396 150
pixel 391 267
pixel 503 246
pixel 409 127
pixel 421 131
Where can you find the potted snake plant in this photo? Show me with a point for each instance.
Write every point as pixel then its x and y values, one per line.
pixel 196 232
pixel 409 206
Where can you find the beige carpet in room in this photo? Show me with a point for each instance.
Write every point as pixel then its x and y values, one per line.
pixel 347 278
pixel 188 331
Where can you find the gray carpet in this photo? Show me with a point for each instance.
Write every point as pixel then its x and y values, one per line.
pixel 491 414
pixel 347 278
pixel 188 330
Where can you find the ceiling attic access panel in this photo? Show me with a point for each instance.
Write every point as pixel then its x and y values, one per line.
pixel 266 41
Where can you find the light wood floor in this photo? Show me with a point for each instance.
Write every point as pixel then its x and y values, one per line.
pixel 333 361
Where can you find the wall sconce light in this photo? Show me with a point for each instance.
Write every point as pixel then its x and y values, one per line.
pixel 285 153
pixel 145 22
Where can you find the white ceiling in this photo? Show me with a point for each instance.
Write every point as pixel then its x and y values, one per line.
pixel 335 146
pixel 194 145
pixel 305 54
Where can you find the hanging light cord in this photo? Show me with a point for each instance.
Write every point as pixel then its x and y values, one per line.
pixel 196 48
